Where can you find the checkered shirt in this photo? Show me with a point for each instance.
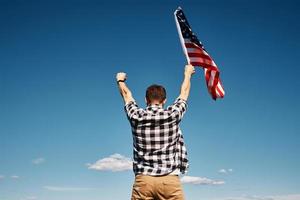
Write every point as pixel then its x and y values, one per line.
pixel 158 145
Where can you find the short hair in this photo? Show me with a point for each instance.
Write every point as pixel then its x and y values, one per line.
pixel 155 93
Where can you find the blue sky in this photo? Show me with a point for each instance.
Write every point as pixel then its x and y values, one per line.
pixel 60 110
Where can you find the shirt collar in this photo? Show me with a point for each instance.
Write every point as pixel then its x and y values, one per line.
pixel 154 107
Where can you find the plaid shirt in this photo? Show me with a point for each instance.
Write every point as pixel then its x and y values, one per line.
pixel 158 145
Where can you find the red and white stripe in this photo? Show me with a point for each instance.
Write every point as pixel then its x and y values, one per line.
pixel 199 57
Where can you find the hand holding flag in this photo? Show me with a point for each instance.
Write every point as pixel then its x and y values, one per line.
pixel 189 69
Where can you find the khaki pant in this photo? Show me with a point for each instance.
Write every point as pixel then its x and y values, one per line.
pixel 157 188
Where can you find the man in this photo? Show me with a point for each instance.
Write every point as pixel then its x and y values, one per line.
pixel 158 147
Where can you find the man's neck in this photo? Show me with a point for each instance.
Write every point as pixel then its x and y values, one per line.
pixel 156 105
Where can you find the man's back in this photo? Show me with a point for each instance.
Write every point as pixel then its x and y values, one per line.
pixel 158 142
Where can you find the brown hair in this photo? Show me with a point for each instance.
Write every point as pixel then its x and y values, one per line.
pixel 155 93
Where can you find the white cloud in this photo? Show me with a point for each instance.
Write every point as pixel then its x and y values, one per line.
pixel 287 197
pixel 15 177
pixel 255 197
pixel 225 171
pixel 115 162
pixel 200 181
pixel 63 189
pixel 31 198
pixel 38 161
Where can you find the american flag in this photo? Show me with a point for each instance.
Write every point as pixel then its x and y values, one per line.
pixel 196 55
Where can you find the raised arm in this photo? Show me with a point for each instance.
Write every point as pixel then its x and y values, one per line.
pixel 186 84
pixel 124 90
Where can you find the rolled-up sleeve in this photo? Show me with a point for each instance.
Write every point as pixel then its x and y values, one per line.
pixel 178 108
pixel 132 111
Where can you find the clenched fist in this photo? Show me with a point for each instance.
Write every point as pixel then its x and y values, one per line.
pixel 121 76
